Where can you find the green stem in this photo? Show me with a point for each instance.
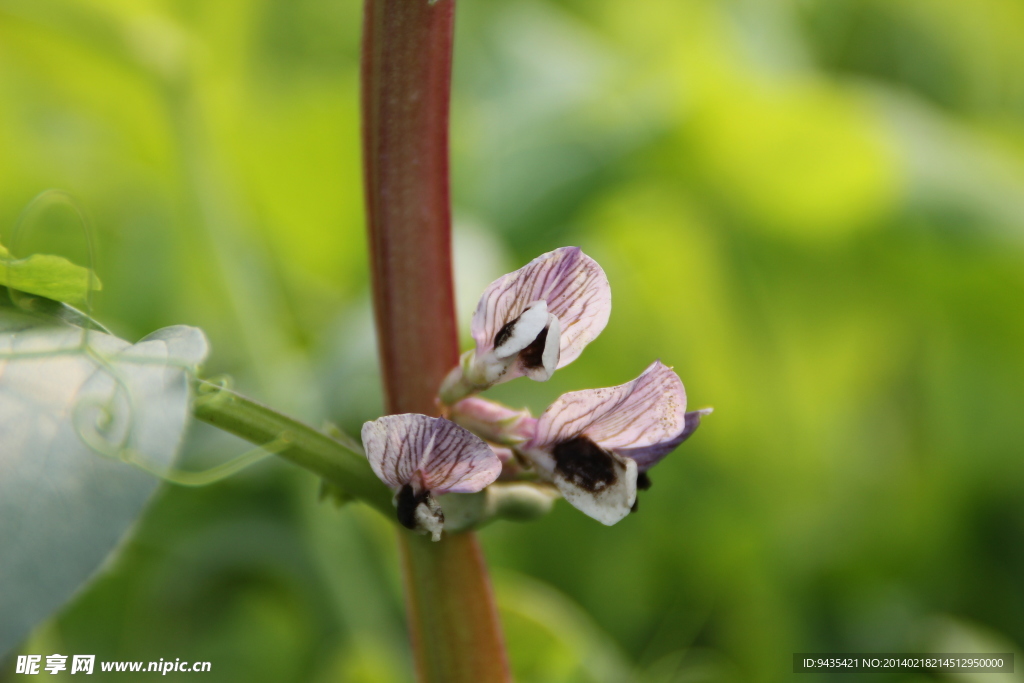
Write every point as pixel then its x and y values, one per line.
pixel 294 441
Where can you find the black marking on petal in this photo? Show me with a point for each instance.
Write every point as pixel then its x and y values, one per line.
pixel 585 464
pixel 643 482
pixel 407 502
pixel 505 332
pixel 533 355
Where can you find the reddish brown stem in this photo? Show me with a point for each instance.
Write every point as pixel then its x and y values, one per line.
pixel 406 84
pixel 407 48
pixel 453 621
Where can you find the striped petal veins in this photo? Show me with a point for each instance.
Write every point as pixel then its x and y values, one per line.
pixel 533 321
pixel 573 287
pixel 595 444
pixel 420 457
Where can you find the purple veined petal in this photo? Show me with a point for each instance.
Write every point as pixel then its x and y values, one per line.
pixel 429 454
pixel 531 322
pixel 574 288
pixel 648 411
pixel 647 457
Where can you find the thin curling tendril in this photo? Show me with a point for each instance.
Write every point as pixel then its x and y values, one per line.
pixel 218 472
pixel 107 420
pixel 105 425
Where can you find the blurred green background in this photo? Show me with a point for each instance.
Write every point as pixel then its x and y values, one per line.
pixel 813 209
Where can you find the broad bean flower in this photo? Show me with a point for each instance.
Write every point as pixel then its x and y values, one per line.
pixel 533 321
pixel 595 445
pixel 420 457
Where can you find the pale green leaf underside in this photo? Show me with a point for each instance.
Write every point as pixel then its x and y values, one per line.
pixel 67 417
pixel 46 275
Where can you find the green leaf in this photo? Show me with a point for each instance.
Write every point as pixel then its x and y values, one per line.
pixel 75 404
pixel 46 275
